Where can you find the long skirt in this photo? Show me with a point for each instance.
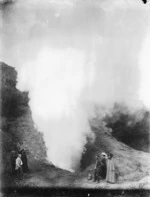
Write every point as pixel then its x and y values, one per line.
pixel 111 173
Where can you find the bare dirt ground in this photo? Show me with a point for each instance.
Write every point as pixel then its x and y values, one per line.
pixel 58 178
pixel 133 167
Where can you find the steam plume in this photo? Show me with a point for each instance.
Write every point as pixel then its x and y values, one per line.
pixel 56 102
pixel 145 70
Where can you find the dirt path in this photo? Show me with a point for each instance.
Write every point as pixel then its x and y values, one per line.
pixel 133 167
pixel 54 177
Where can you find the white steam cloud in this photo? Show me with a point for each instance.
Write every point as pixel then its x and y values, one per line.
pixel 55 82
pixel 145 71
pixel 70 55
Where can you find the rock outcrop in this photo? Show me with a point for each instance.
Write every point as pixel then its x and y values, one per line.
pixel 17 127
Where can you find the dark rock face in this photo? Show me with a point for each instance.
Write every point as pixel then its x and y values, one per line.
pixel 13 102
pixel 130 128
pixel 16 126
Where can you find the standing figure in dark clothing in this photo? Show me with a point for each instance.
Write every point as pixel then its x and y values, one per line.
pixel 24 160
pixel 97 169
pixel 13 157
pixel 104 166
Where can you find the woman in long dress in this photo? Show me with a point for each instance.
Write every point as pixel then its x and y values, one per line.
pixel 111 172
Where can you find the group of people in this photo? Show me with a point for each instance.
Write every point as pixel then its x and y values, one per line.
pixel 19 163
pixel 104 169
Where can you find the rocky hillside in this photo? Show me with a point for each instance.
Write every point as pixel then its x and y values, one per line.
pixel 17 128
pixel 17 131
pixel 133 166
pixel 133 169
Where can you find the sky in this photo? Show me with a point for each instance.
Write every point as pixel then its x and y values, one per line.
pixel 71 54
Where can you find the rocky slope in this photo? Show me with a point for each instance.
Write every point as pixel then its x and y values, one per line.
pixel 17 131
pixel 17 127
pixel 133 167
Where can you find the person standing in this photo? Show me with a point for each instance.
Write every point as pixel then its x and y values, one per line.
pixel 97 169
pixel 111 172
pixel 19 167
pixel 104 166
pixel 24 160
pixel 13 161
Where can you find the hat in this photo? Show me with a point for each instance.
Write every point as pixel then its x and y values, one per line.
pixel 104 154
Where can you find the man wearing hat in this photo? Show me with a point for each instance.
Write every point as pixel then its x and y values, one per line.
pixel 13 161
pixel 104 165
pixel 97 168
pixel 24 160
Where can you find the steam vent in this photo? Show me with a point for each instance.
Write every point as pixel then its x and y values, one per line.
pixel 18 132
